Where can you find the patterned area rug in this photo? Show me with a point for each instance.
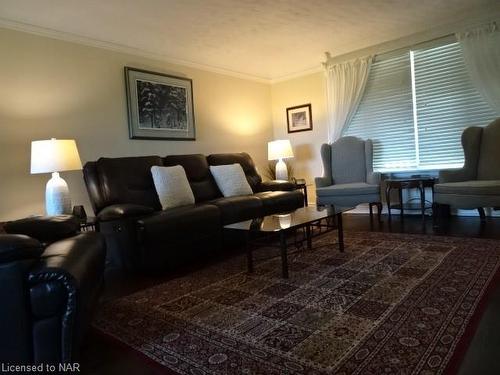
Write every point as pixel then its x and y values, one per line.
pixel 392 304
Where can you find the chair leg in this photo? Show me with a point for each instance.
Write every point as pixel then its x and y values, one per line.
pixel 379 211
pixel 482 215
pixel 371 210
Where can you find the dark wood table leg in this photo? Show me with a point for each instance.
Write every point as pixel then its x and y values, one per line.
pixel 422 199
pixel 308 237
pixel 402 211
pixel 341 232
pixel 284 260
pixel 388 200
pixel 248 246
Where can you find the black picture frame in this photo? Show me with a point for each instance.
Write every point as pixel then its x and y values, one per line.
pixel 160 106
pixel 299 118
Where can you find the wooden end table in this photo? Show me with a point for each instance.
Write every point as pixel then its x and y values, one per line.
pixel 419 183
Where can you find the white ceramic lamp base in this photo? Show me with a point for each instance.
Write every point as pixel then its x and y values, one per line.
pixel 57 199
pixel 281 170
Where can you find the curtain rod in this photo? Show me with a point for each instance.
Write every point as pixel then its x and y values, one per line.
pixel 359 53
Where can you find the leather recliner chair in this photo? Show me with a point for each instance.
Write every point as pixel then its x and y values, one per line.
pixel 50 279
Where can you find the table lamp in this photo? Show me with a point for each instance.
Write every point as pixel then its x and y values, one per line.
pixel 279 150
pixel 54 156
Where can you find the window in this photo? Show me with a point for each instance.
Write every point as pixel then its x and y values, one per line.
pixel 415 106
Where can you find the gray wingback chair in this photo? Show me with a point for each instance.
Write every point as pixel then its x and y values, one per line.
pixel 348 177
pixel 477 184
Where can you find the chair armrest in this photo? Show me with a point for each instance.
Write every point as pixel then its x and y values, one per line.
pixel 322 181
pixel 454 175
pixel 73 259
pixel 373 178
pixel 123 211
pixel 276 185
pixel 45 229
pixel 65 284
pixel 18 253
pixel 15 247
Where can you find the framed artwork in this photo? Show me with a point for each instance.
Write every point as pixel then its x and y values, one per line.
pixel 160 106
pixel 299 118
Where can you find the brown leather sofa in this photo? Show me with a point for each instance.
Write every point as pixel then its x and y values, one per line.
pixel 139 234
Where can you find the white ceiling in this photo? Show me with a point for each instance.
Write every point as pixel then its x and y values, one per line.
pixel 267 39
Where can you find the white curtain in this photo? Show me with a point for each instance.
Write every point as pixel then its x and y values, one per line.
pixel 345 85
pixel 481 50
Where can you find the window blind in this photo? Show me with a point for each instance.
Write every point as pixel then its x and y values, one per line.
pixel 446 103
pixel 415 107
pixel 385 114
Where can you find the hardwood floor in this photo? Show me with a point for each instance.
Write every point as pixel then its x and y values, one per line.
pixel 99 356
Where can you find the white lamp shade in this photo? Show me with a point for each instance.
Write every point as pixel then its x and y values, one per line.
pixel 54 155
pixel 279 149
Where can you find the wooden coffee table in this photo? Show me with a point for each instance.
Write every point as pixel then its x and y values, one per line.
pixel 283 224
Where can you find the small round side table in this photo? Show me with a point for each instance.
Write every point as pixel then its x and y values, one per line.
pixel 408 183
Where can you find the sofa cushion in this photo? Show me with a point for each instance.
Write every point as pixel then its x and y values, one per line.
pixel 355 188
pixel 128 180
pixel 280 201
pixel 234 209
pixel 242 159
pixel 172 186
pixel 277 185
pixel 473 187
pixel 170 224
pixel 231 180
pixel 198 174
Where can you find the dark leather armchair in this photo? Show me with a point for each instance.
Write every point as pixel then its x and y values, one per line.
pixel 50 279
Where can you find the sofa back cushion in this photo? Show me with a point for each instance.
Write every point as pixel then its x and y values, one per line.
pixel 489 153
pixel 198 174
pixel 246 163
pixel 128 180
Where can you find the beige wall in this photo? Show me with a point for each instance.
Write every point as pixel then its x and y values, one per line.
pixel 306 145
pixel 52 88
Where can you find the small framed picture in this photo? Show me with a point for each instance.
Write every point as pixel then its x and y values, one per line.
pixel 299 118
pixel 160 106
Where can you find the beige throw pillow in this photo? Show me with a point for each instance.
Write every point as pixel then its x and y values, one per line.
pixel 172 186
pixel 231 180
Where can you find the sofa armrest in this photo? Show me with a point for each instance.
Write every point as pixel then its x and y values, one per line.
pixel 322 181
pixel 454 175
pixel 123 211
pixel 277 185
pixel 373 178
pixel 45 229
pixel 15 247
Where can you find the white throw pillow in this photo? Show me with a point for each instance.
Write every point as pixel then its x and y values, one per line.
pixel 231 180
pixel 172 186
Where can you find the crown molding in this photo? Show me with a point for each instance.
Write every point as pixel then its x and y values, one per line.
pixel 298 74
pixel 75 38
